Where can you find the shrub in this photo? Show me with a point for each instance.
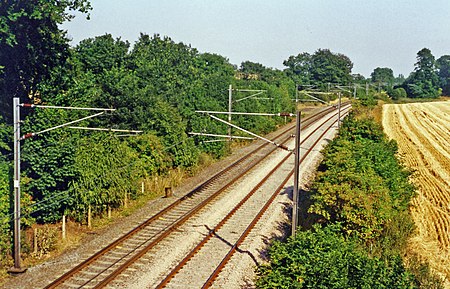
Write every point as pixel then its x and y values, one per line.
pixel 397 93
pixel 361 184
pixel 323 258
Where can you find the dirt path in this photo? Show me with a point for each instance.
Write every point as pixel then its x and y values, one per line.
pixel 422 131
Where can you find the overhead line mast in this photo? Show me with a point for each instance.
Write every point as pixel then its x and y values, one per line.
pixel 17 268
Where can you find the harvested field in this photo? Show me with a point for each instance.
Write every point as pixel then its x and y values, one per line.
pixel 422 131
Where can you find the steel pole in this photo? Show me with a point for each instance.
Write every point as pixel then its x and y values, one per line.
pixel 339 111
pixel 296 174
pixel 230 100
pixel 16 116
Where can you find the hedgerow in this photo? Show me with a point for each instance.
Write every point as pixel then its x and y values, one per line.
pixel 355 219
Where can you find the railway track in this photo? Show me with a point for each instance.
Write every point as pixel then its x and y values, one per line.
pixel 193 270
pixel 104 266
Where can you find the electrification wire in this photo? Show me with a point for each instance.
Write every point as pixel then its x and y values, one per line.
pixel 44 201
pixel 8 217
pixel 54 198
pixel 44 207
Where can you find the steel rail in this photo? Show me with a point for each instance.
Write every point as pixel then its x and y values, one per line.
pixel 202 186
pixel 212 232
pixel 130 233
pixel 175 226
pixel 250 227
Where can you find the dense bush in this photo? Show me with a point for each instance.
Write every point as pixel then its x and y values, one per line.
pixel 361 183
pixel 323 258
pixel 397 93
pixel 5 217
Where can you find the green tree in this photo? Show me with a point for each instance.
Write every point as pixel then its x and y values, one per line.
pixel 424 81
pixel 329 67
pixel 383 75
pixel 48 162
pixel 400 79
pixel 299 67
pixel 31 45
pixel 358 78
pixel 443 66
pixel 101 53
pixel 252 67
pixel 321 68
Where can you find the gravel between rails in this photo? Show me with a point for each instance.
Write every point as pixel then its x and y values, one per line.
pixel 240 272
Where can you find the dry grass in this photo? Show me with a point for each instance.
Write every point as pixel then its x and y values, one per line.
pixel 377 112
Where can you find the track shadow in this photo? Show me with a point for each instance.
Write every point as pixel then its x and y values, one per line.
pixel 283 227
pixel 305 219
pixel 231 245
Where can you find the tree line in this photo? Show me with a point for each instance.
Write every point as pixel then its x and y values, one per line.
pixel 155 85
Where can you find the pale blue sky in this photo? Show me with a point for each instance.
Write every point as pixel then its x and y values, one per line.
pixel 382 33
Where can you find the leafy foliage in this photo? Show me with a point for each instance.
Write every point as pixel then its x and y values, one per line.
pixel 101 54
pixel 5 217
pixel 48 164
pixel 424 81
pixel 360 182
pixel 320 68
pixel 31 45
pixel 323 258
pixel 382 75
pixel 107 169
pixel 358 207
pixel 443 66
pixel 397 93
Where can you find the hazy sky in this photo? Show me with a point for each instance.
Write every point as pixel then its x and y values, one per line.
pixel 381 33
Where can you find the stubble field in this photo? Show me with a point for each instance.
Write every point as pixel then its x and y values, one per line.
pixel 422 131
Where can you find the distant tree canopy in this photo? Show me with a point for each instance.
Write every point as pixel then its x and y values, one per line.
pixel 358 78
pixel 324 66
pixel 320 68
pixel 382 75
pixel 252 67
pixel 423 82
pixel 443 66
pixel 31 45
